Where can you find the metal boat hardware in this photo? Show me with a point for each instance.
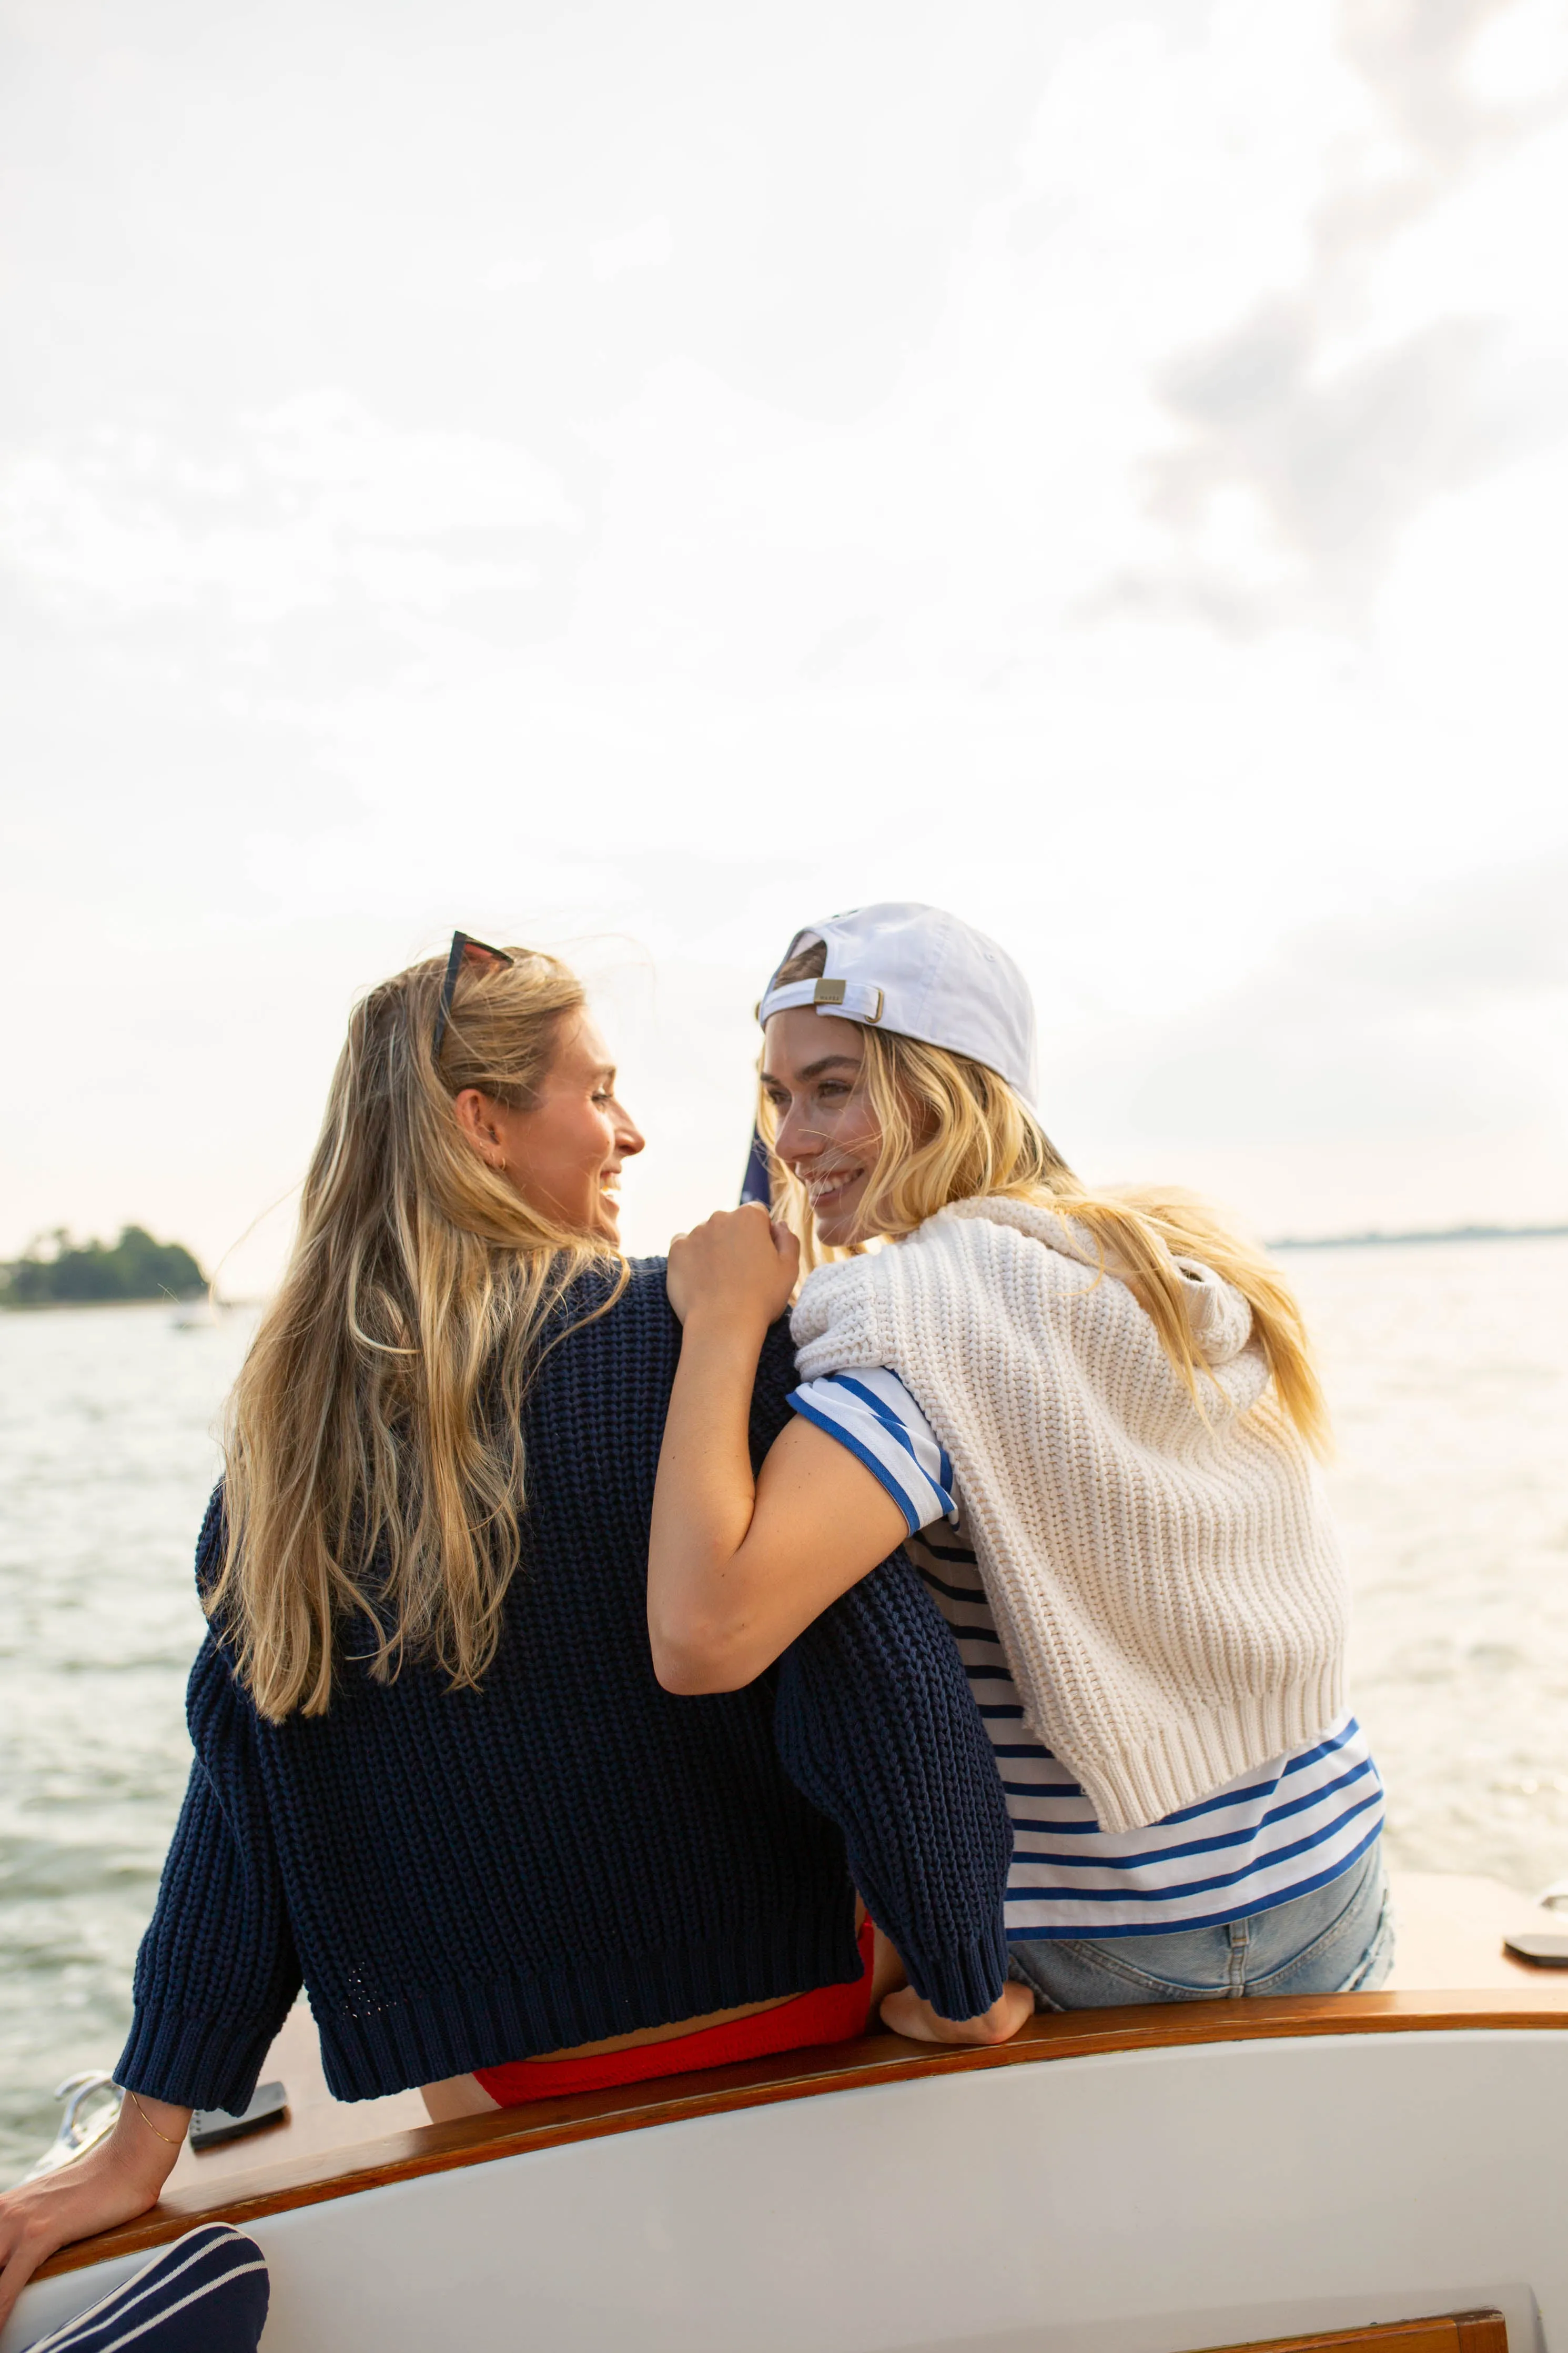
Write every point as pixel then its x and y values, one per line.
pixel 78 2133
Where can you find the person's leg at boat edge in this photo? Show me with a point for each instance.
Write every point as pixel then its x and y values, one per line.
pixel 205 2293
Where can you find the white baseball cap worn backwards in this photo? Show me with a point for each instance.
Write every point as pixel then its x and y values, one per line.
pixel 926 974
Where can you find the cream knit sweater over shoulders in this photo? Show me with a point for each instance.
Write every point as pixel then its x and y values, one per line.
pixel 1167 1584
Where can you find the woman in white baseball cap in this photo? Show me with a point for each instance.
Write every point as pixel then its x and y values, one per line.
pixel 1090 1419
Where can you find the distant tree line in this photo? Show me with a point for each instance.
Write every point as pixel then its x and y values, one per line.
pixel 54 1270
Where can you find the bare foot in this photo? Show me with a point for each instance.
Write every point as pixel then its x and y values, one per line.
pixel 905 2013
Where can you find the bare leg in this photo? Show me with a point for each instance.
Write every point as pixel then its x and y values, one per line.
pixel 887 1972
pixel 458 2095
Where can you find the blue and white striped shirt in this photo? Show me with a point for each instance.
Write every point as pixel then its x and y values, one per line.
pixel 1280 1830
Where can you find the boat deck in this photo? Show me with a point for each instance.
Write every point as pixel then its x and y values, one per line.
pixel 1451 1972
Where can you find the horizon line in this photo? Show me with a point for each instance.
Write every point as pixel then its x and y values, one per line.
pixel 1370 1238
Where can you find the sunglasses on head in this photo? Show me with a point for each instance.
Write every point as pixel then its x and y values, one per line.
pixel 464 951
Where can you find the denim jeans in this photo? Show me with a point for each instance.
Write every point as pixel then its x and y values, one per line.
pixel 1337 1940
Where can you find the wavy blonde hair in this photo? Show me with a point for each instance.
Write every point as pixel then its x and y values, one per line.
pixel 374 1440
pixel 952 1130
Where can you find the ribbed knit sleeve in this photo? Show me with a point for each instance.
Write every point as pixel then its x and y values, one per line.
pixel 216 1972
pixel 876 1725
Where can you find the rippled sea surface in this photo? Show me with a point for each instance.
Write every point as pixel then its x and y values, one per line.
pixel 1447 1367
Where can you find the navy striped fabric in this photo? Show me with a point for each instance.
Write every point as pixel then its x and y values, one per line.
pixel 1289 1826
pixel 206 2294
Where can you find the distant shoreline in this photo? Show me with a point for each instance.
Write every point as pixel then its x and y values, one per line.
pixel 76 1306
pixel 1370 1240
pixel 1445 1234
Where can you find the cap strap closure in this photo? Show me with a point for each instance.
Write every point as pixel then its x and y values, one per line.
pixel 857 1000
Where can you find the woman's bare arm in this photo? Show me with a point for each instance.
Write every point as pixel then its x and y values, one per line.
pixel 112 2183
pixel 738 1567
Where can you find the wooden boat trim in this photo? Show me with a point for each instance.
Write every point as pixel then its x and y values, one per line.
pixel 241 2198
pixel 1454 2332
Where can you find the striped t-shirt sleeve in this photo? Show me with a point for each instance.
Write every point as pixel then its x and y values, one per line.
pixel 873 1414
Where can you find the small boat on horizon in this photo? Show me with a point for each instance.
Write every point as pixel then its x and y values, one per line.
pixel 204 1312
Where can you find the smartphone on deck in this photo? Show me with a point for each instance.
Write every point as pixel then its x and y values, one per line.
pixel 211 2126
pixel 1543 1952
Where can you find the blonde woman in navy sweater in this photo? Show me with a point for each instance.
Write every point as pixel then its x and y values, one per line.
pixel 437 1782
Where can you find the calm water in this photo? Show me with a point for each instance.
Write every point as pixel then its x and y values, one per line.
pixel 1449 1370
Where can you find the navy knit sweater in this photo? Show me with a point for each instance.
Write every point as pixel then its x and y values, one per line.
pixel 462 1878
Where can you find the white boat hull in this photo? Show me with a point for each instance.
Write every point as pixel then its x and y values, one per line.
pixel 1134 2201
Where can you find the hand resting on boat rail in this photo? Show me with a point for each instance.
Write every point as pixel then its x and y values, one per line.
pixel 113 2182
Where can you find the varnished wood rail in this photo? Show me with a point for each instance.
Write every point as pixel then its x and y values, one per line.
pixel 306 2180
pixel 1456 2332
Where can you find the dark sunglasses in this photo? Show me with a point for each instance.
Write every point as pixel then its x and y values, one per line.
pixel 464 951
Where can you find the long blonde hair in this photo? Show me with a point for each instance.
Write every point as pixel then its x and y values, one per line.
pixel 952 1130
pixel 374 1440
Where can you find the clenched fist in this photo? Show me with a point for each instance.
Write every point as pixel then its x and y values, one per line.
pixel 737 1265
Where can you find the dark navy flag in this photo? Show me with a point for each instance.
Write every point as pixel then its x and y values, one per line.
pixel 206 2294
pixel 756 1187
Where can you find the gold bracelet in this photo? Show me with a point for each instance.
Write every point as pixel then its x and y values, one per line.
pixel 148 2121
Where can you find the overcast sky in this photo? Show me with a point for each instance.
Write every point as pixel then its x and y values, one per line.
pixel 636 478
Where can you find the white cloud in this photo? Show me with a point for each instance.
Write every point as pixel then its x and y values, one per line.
pixel 1519 58
pixel 1410 342
pixel 503 276
pixel 647 246
pixel 1366 1056
pixel 1099 468
pixel 393 482
pixel 304 501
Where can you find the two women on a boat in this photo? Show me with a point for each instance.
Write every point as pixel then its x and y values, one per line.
pixel 582 1683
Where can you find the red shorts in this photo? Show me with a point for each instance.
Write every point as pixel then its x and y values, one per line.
pixel 832 2014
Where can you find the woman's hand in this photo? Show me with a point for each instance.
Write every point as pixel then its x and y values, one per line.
pixel 737 1264
pixel 905 2013
pixel 112 2183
